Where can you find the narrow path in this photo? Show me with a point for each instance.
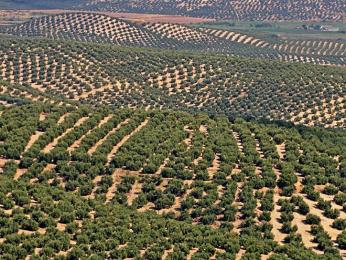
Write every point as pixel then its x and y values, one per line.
pixel 275 217
pixel 96 180
pixel 239 142
pixel 62 118
pixel 19 173
pixel 32 140
pixel 240 254
pixel 191 253
pixel 116 176
pixel 94 147
pixel 281 149
pixel 43 116
pixel 239 205
pixel 215 166
pixel 167 252
pixel 325 222
pixel 188 140
pixel 162 166
pixel 76 144
pixel 258 149
pixel 304 231
pixel 134 192
pixel 124 140
pixel 51 145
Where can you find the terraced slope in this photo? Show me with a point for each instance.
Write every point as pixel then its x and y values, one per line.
pixel 97 28
pixel 252 188
pixel 127 77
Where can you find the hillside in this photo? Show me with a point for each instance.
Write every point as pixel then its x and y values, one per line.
pixel 100 28
pixel 143 78
pixel 321 51
pixel 79 182
pixel 220 136
pixel 235 9
pixel 332 10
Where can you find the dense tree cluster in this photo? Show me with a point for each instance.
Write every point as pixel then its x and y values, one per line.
pixel 89 168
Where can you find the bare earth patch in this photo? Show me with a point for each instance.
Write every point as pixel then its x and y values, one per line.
pixel 32 140
pixel 304 230
pixel 325 222
pixel 215 167
pixel 281 148
pixel 166 253
pixel 133 194
pixel 275 216
pixel 191 253
pixel 240 254
pixel 19 173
